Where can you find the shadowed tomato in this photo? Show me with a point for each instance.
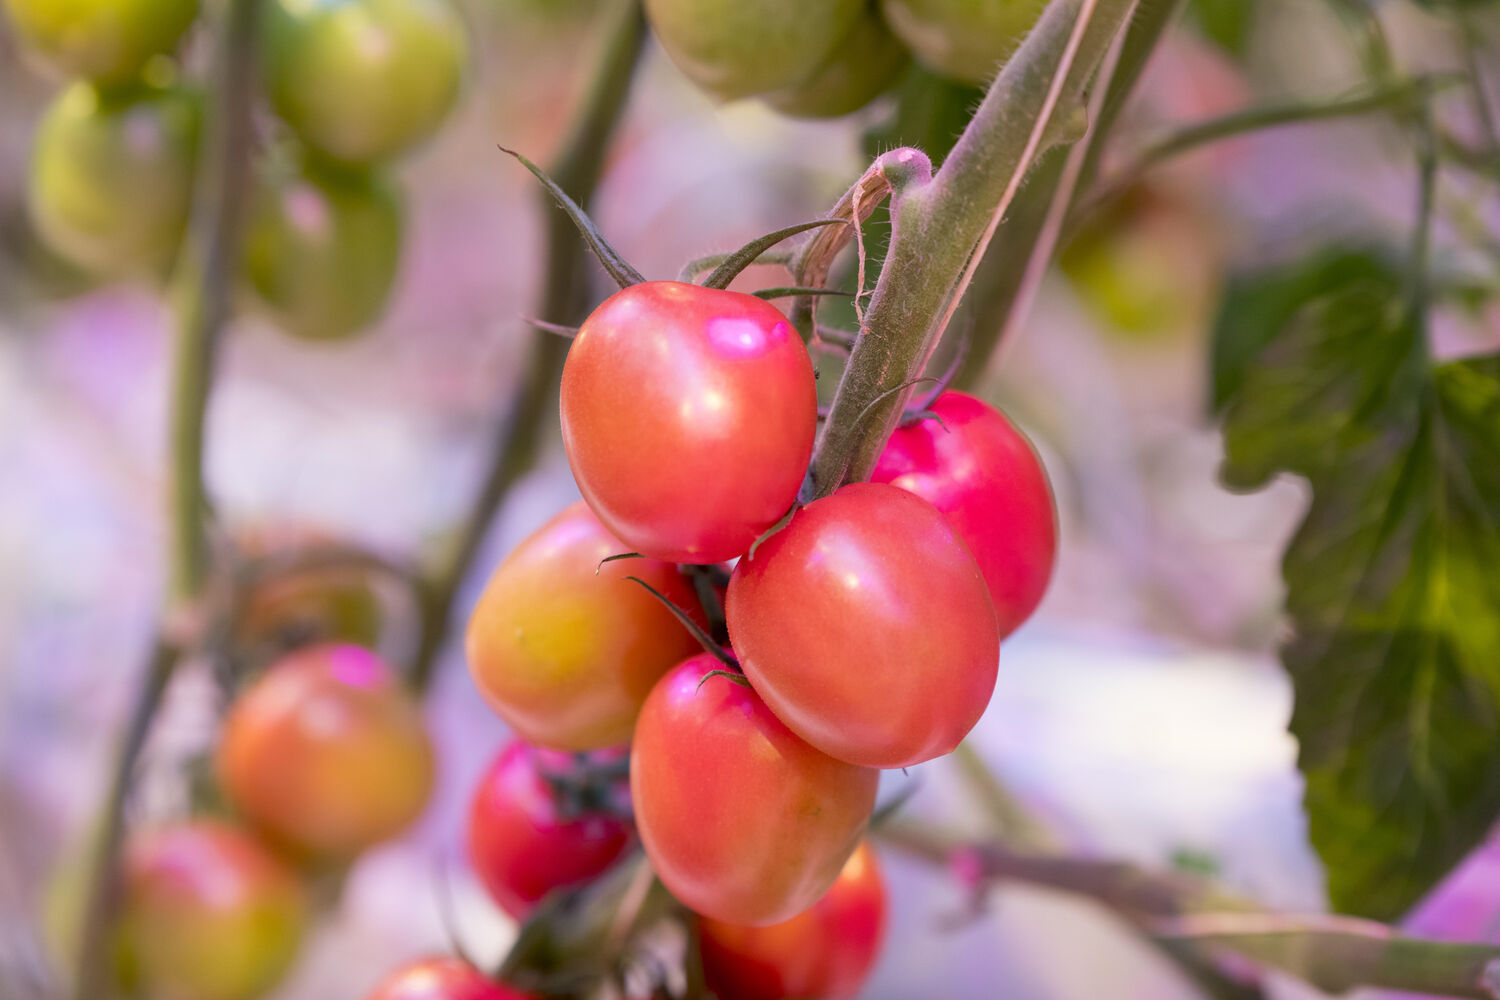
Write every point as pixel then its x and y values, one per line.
pixel 985 477
pixel 327 752
pixel 443 979
pixel 206 913
pixel 565 649
pixel 965 39
pixel 823 953
pixel 106 40
pixel 526 838
pixel 741 820
pixel 860 69
pixel 867 627
pixel 688 415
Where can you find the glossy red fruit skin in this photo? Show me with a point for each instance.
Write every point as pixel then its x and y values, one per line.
pixel 867 628
pixel 443 979
pixel 825 952
pixel 520 844
pixel 741 820
pixel 688 415
pixel 985 477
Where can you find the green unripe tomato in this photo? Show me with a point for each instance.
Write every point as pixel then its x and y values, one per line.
pixel 111 182
pixel 733 48
pixel 964 39
pixel 364 80
pixel 860 69
pixel 106 40
pixel 321 250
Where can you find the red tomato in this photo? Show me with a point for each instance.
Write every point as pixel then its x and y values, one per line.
pixel 522 841
pixel 207 913
pixel 983 475
pixel 564 649
pixel 443 979
pixel 867 628
pixel 327 752
pixel 742 821
pixel 824 953
pixel 688 415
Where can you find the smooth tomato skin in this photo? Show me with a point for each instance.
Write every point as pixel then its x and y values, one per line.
pixel 985 477
pixel 743 821
pixel 443 979
pixel 866 626
pixel 111 179
pixel 862 67
pixel 565 649
pixel 364 80
pixel 965 39
pixel 104 40
pixel 735 49
pixel 824 953
pixel 207 913
pixel 688 415
pixel 520 843
pixel 326 753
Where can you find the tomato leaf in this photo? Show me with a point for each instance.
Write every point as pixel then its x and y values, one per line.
pixel 747 254
pixel 617 266
pixel 1391 579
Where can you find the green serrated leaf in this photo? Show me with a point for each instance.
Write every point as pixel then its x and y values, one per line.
pixel 1391 579
pixel 750 252
pixel 609 258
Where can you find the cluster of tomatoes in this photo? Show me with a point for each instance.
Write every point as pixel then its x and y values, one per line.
pixel 821 60
pixel 353 85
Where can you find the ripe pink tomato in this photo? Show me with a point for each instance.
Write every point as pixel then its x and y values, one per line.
pixel 823 953
pixel 327 753
pixel 523 840
pixel 983 475
pixel 688 415
pixel 443 979
pixel 565 649
pixel 867 628
pixel 742 821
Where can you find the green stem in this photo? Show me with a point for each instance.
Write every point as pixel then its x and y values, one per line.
pixel 564 299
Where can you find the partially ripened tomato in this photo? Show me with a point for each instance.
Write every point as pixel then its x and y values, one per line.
pixel 536 824
pixel 866 626
pixel 206 913
pixel 327 752
pixel 688 414
pixel 735 49
pixel 111 182
pixel 965 39
pixel 443 979
pixel 743 821
pixel 565 648
pixel 321 250
pixel 981 472
pixel 862 66
pixel 106 40
pixel 823 953
pixel 364 80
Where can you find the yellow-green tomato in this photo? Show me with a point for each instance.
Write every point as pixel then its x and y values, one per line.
pixel 860 69
pixel 207 913
pixel 964 39
pixel 321 250
pixel 364 80
pixel 106 40
pixel 111 180
pixel 735 48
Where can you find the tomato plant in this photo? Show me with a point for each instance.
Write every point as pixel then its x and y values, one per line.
pixel 111 178
pixel 863 65
pixel 972 464
pixel 364 80
pixel 832 614
pixel 106 40
pixel 742 820
pixel 565 648
pixel 442 979
pixel 824 953
pixel 322 247
pixel 534 827
pixel 326 752
pixel 964 39
pixel 207 913
pixel 688 416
